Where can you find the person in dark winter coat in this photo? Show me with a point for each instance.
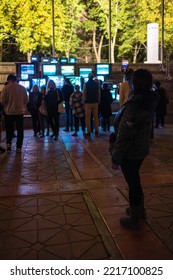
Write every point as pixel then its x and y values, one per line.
pixel 43 112
pixel 52 99
pixel 33 108
pixel 161 108
pixel 67 91
pixel 105 106
pixel 133 142
pixel 76 103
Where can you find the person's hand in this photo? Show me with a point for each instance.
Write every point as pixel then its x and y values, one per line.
pixel 115 166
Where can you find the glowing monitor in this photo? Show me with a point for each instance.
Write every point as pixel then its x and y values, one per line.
pixel 84 72
pixel 45 59
pixel 101 78
pixel 34 58
pixel 58 80
pixel 72 60
pixel 25 84
pixel 53 60
pixel 27 70
pixel 40 82
pixel 49 69
pixel 63 60
pixel 102 69
pixel 75 80
pixel 67 70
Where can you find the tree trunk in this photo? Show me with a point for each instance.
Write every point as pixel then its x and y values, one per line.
pixel 113 45
pixel 1 46
pixel 114 35
pixel 97 53
pixel 135 53
pixel 100 48
pixel 29 54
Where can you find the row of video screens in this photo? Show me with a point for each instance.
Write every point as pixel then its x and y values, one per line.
pixel 29 69
pixel 59 81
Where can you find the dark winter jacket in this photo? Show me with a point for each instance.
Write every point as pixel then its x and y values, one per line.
pixel 67 91
pixel 92 92
pixel 32 105
pixel 52 99
pixel 134 128
pixel 163 101
pixel 105 103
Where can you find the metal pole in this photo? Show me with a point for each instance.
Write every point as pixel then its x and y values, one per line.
pixel 110 58
pixel 162 43
pixel 53 29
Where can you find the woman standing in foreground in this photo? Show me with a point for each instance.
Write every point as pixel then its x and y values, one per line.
pixel 132 144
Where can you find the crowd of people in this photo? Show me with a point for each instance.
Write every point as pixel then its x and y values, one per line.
pixel 142 102
pixel 81 108
pixel 87 108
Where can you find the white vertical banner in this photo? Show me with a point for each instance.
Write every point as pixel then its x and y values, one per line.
pixel 152 43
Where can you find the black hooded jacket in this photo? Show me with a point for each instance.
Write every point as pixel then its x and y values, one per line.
pixel 133 129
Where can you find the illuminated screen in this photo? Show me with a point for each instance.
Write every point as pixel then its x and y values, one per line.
pixel 40 82
pixel 26 70
pixel 53 60
pixel 63 60
pixel 67 70
pixel 102 69
pixel 84 72
pixel 45 59
pixel 85 79
pixel 75 80
pixel 101 78
pixel 25 84
pixel 49 69
pixel 58 80
pixel 115 92
pixel 125 65
pixel 34 58
pixel 72 60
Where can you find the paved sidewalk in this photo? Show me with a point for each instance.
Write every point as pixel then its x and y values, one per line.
pixel 62 200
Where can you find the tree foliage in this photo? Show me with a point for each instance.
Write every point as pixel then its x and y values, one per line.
pixel 82 27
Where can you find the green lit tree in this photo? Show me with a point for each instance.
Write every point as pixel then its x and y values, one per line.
pixel 82 27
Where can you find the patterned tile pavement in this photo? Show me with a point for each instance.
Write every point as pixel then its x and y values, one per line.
pixel 62 200
pixel 50 226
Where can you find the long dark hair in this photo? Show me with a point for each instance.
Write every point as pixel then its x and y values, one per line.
pixel 142 81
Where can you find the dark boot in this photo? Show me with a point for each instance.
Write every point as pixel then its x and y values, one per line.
pixel 133 220
pixel 2 150
pixel 142 213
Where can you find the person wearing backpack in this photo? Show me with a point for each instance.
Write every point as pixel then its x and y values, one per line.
pixel 132 143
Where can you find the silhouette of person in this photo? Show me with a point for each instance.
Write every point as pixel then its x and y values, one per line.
pixel 133 142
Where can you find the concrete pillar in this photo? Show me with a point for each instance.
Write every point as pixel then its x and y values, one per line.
pixel 153 43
